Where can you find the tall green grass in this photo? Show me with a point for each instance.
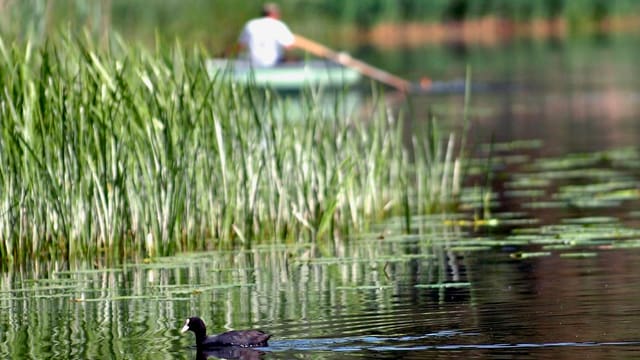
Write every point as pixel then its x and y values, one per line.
pixel 121 153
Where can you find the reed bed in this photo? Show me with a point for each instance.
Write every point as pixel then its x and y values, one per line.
pixel 131 153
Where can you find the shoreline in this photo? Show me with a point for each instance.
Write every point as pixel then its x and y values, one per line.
pixel 488 31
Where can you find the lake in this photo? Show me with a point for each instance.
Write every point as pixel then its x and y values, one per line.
pixel 543 266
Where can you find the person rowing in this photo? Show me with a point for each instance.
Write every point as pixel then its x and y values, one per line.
pixel 266 39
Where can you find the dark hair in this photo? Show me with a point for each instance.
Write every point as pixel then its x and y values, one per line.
pixel 270 9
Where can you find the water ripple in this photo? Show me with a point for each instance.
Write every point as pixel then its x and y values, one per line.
pixel 406 343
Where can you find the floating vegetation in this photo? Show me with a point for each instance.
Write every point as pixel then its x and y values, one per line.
pixel 572 236
pixel 528 181
pixel 558 247
pixel 578 255
pixel 569 206
pixel 591 220
pixel 470 248
pixel 524 193
pixel 545 205
pixel 625 244
pixel 513 146
pixel 602 174
pixel 528 255
pixel 443 285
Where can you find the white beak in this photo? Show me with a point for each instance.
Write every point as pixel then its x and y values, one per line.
pixel 185 328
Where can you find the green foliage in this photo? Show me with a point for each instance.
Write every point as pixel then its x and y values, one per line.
pixel 216 24
pixel 125 153
pixel 365 13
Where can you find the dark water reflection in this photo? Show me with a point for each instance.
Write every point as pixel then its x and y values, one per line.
pixel 371 302
pixel 579 95
pixel 383 295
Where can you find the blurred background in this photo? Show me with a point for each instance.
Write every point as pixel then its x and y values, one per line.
pixel 572 64
pixel 340 23
pixel 571 86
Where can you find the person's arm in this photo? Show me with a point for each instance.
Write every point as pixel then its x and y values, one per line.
pixel 234 49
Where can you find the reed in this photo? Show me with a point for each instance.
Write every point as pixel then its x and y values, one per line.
pixel 124 153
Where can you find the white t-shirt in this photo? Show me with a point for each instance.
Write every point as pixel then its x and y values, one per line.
pixel 265 39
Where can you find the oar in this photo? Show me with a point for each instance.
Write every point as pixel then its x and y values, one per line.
pixel 368 70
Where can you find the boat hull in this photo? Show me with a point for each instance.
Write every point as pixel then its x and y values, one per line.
pixel 288 76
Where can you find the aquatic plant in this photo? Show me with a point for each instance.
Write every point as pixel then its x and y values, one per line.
pixel 124 153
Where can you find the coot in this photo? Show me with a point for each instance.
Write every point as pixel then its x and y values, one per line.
pixel 243 338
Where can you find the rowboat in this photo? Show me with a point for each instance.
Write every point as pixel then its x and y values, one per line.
pixel 287 76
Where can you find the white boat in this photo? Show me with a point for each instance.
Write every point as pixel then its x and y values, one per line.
pixel 287 76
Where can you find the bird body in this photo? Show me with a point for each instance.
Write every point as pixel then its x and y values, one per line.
pixel 242 338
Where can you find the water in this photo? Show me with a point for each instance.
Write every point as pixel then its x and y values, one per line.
pixel 374 300
pixel 577 96
pixel 553 275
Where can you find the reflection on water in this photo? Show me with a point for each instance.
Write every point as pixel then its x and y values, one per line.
pixel 432 295
pixel 554 275
pixel 230 353
pixel 298 292
pixel 575 96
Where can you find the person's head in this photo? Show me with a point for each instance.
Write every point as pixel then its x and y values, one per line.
pixel 270 10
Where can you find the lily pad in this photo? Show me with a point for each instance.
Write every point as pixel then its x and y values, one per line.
pixel 575 255
pixel 443 285
pixel 528 255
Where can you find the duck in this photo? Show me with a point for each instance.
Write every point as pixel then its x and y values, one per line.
pixel 241 338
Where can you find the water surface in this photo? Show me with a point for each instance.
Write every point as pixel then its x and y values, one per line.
pixel 441 293
pixel 550 273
